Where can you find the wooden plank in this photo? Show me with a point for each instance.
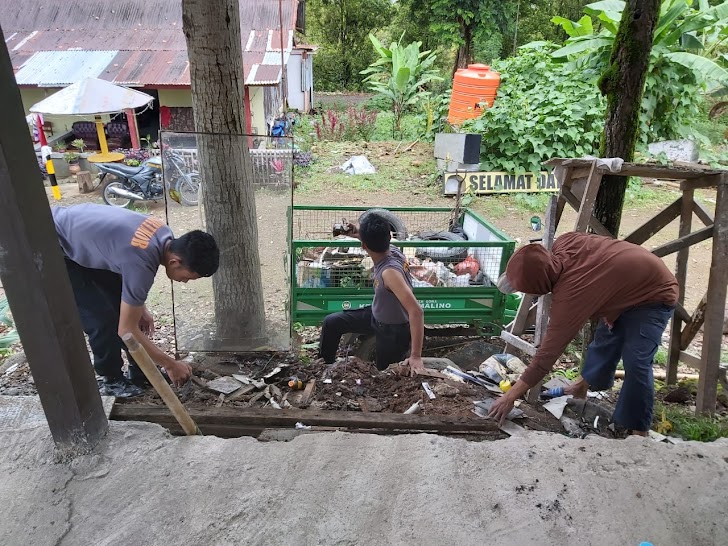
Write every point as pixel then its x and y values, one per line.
pixel 267 418
pixel 705 181
pixel 595 224
pixel 693 326
pixel 715 308
pixel 586 208
pixel 683 242
pixel 703 214
pixel 518 343
pixel 36 283
pixel 676 171
pixel 691 360
pixel 544 302
pixel 308 393
pixel 658 222
pixel 564 176
pixel 681 274
pixel 681 312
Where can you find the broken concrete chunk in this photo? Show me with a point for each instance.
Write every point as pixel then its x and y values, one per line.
pixel 443 389
pixel 225 385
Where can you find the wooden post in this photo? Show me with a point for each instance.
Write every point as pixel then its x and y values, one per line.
pixel 34 276
pixel 85 182
pixel 681 273
pixel 133 128
pixel 715 308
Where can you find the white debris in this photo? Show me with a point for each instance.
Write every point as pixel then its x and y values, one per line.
pixel 556 406
pixel 358 164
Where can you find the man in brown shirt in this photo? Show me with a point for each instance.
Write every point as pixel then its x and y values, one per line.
pixel 589 276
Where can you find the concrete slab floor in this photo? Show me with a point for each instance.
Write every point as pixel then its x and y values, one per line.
pixel 142 486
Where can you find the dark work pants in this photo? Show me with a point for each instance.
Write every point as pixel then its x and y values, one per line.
pixel 98 298
pixel 635 338
pixel 392 340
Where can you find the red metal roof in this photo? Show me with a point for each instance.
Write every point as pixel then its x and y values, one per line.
pixel 146 36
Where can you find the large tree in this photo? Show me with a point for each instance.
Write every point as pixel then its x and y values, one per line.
pixel 212 30
pixel 623 84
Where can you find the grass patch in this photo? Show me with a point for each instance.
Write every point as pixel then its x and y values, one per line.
pixel 661 356
pixel 639 194
pixel 700 428
pixel 393 173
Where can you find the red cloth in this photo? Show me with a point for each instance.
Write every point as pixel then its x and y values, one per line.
pixel 589 277
pixel 165 116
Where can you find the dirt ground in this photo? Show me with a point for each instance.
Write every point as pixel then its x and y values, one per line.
pixel 374 391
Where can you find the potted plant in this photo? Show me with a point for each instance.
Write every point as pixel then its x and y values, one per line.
pixel 79 144
pixel 72 159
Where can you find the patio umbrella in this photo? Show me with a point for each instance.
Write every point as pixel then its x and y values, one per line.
pixel 92 96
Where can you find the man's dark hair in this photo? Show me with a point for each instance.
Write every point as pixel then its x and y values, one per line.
pixel 375 232
pixel 197 252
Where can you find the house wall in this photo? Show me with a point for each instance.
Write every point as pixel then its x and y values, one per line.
pixel 257 108
pixel 299 72
pixel 175 97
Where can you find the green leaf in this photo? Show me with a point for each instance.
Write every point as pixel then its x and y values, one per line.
pixel 614 6
pixel 703 68
pixel 583 45
pixel 609 23
pixel 402 77
pixel 690 41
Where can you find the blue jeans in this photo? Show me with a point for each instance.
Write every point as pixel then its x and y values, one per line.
pixel 635 338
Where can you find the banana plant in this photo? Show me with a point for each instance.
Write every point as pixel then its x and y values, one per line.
pixel 401 74
pixel 684 59
pixel 677 37
pixel 9 336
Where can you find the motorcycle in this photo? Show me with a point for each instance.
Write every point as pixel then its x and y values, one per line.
pixel 144 183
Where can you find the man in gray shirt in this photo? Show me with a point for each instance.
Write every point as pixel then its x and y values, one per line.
pixel 112 256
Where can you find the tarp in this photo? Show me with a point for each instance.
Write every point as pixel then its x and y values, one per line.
pixel 91 96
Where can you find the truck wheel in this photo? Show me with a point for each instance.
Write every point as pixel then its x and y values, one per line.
pixel 397 225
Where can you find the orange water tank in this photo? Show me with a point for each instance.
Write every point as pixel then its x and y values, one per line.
pixel 473 88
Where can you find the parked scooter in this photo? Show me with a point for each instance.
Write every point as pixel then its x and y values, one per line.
pixel 144 183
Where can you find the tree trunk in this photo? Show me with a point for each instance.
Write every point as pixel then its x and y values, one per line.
pixel 212 30
pixel 464 55
pixel 622 84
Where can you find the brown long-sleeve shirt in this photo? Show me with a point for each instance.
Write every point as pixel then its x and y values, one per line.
pixel 589 276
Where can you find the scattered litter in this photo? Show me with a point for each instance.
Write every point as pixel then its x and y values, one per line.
pixel 245 380
pixel 286 404
pixel 675 440
pixel 220 400
pixel 301 426
pixel 657 437
pixel 274 403
pixel 507 360
pixel 275 371
pixel 225 385
pixel 428 390
pixel 358 381
pixel 295 384
pixel 414 408
pixel 556 392
pixel 338 393
pixel 482 409
pixel 505 385
pixel 596 422
pixel 512 429
pixel 343 381
pixel 557 381
pixel 556 406
pixel 11 369
pixel 597 395
pixel 462 376
pixel 327 381
pixel 358 164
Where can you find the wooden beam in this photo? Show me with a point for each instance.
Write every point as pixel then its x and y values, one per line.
pixel 702 213
pixel 704 181
pixel 691 360
pixel 267 418
pixel 693 326
pixel 647 230
pixel 595 224
pixel 563 174
pixel 34 277
pixel 681 273
pixel 681 312
pixel 715 308
pixel 676 171
pixel 518 343
pixel 684 242
pixel 586 208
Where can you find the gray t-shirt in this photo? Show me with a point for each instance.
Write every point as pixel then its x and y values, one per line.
pixel 114 239
pixel 385 306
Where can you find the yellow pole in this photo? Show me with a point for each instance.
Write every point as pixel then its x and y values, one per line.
pixel 101 135
pixel 45 153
